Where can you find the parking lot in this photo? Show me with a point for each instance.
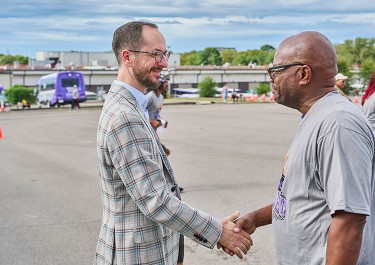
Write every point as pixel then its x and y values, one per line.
pixel 227 157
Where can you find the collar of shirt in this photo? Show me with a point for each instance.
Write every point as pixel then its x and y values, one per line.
pixel 139 96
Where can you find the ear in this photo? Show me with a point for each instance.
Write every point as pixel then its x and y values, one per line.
pixel 125 57
pixel 305 75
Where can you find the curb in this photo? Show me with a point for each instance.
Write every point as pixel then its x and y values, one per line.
pixel 99 104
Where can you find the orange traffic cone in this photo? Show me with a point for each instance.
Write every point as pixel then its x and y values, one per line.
pixel 1 133
pixel 356 99
pixel 263 97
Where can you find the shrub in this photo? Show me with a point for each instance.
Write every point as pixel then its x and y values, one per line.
pixel 16 93
pixel 207 87
pixel 263 88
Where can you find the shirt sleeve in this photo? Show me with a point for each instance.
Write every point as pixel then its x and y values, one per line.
pixel 345 160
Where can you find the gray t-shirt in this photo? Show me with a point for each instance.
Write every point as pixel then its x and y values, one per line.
pixel 329 167
pixel 154 104
pixel 369 110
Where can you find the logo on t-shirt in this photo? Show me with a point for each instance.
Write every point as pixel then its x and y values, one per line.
pixel 279 203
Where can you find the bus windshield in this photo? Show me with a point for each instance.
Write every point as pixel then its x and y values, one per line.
pixel 71 82
pixel 47 84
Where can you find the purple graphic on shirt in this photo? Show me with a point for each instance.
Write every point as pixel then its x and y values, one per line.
pixel 279 203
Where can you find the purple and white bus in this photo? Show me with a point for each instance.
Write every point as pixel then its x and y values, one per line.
pixel 57 88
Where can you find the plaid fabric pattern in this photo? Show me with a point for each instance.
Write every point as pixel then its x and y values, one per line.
pixel 142 217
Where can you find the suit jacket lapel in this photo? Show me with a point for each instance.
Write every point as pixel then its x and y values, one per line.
pixel 122 91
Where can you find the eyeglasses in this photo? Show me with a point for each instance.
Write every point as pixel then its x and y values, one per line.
pixel 272 71
pixel 158 55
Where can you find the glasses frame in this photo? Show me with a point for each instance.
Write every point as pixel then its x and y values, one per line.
pixel 279 68
pixel 158 55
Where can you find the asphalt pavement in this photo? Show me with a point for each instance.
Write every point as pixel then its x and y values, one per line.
pixel 226 156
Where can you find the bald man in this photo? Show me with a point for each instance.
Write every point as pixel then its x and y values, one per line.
pixel 323 210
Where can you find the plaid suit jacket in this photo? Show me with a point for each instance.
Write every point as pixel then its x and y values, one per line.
pixel 142 217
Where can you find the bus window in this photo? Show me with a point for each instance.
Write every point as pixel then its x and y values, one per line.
pixel 71 82
pixel 48 84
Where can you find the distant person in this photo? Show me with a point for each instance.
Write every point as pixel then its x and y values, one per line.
pixel 234 96
pixel 143 215
pixel 25 104
pixel 75 97
pixel 155 104
pixel 340 84
pixel 154 107
pixel 225 93
pixel 324 207
pixel 368 102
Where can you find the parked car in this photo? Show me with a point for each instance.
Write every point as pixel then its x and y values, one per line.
pixel 219 93
pixel 185 93
pixel 101 95
pixel 90 95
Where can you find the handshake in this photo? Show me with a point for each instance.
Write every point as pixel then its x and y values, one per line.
pixel 235 238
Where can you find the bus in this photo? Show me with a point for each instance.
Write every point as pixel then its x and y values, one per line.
pixel 185 92
pixel 57 88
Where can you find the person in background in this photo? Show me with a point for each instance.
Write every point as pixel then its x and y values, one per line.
pixel 225 92
pixel 368 102
pixel 25 104
pixel 75 101
pixel 340 84
pixel 154 106
pixel 144 217
pixel 324 207
pixel 234 96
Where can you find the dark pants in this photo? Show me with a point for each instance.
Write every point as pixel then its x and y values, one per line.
pixel 75 102
pixel 180 258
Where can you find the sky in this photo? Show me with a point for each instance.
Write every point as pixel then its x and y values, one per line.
pixel 29 26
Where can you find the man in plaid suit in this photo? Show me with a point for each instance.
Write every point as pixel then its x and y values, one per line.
pixel 143 215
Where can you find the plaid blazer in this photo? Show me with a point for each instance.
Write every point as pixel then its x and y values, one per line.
pixel 142 215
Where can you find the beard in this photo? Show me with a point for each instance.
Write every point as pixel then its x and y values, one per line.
pixel 142 75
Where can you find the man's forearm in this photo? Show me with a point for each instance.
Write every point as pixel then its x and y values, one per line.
pixel 263 216
pixel 345 238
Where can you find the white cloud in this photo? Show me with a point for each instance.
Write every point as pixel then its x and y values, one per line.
pixel 186 24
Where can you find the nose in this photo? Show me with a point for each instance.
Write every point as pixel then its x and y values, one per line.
pixel 164 62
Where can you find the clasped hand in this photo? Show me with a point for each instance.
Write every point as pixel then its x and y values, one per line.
pixel 233 241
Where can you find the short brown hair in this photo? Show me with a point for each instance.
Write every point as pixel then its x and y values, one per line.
pixel 129 36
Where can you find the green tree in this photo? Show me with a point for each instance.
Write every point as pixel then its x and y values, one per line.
pixel 210 56
pixel 367 70
pixel 267 48
pixel 263 88
pixel 358 51
pixel 17 93
pixel 343 66
pixel 10 59
pixel 207 87
pixel 189 58
pixel 228 55
pixel 261 57
pixel 242 58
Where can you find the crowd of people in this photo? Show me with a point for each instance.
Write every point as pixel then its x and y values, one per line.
pixel 323 211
